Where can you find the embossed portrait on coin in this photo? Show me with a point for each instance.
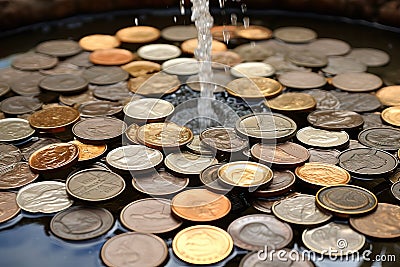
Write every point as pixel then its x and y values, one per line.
pixel 361 161
pixel 80 222
pixel 260 234
pixel 203 244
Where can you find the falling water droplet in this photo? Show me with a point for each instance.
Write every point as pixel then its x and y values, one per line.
pixel 136 21
pixel 244 8
pixel 182 7
pixel 227 35
pixel 234 19
pixel 175 19
pixel 221 3
pixel 246 22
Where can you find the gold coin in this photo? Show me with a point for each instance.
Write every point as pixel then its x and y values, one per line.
pixel 389 95
pixel 256 87
pixel 89 152
pixel 391 115
pixel 138 34
pixel 322 174
pixel 202 244
pixel 189 46
pixel 99 41
pixel 292 102
pixel 141 68
pixel 254 32
pixel 54 119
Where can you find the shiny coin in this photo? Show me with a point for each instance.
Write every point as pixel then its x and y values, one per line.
pixel 254 32
pixel 391 116
pixel 16 175
pixel 64 83
pixel 367 162
pixel 196 146
pixel 17 105
pixel 223 140
pixel 381 138
pixel 346 200
pixel 44 197
pixel 189 46
pixel 98 41
pixel 138 34
pixel 245 174
pixel 329 46
pixel 14 130
pixel 100 108
pixel 181 66
pixel 209 177
pixel 27 85
pixel 89 152
pixel 357 81
pixel 187 163
pixel 254 232
pixel 81 223
pixel 113 92
pixel 225 58
pixel 141 68
pixel 99 130
pixel 53 157
pixel 322 174
pixel 8 206
pixel 337 65
pixel 307 59
pixel 285 155
pixel 301 80
pixel 53 119
pixel 335 120
pixel 382 223
pixel 252 69
pixel 256 87
pixel 154 85
pixel 253 259
pixel 358 102
pixel 370 56
pixel 77 99
pixel 179 33
pixel 295 34
pixel 159 52
pixel 333 238
pixel 396 190
pixel 111 56
pixel 325 100
pixel 329 156
pixel 189 246
pixel 292 102
pixel 282 182
pixel 253 52
pixel 95 185
pixel 389 96
pixel 148 110
pixel 34 61
pixel 300 209
pixel 59 48
pixel 102 75
pixel 149 215
pixel 137 250
pixel 200 205
pixel 9 154
pixel 131 133
pixel 318 138
pixel 134 158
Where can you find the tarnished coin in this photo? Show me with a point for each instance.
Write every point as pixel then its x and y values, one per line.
pixel 154 85
pixel 99 130
pixel 367 162
pixel 27 85
pixel 358 102
pixel 254 32
pixel 301 80
pixel 138 34
pixel 285 155
pixel 80 60
pixel 391 116
pixel 389 95
pixel 371 57
pixel 225 58
pixel 28 149
pixel 292 102
pixel 113 92
pixel 300 209
pixel 89 152
pixel 14 130
pixel 77 99
pixel 98 41
pixel 54 157
pixel 181 66
pixel 141 68
pixel 282 182
pixel 8 206
pixel 357 82
pixel 100 108
pixel 209 177
pixel 134 158
pixel 149 215
pixel 148 110
pixel 396 190
pixel 34 61
pixel 257 231
pixel 64 83
pixel 223 140
pixel 190 46
pixel 346 200
pixel 325 99
pixel 336 120
pixel 196 146
pixel 4 88
pixel 329 156
pixel 372 120
pixel 54 118
pixel 95 185
pixel 295 34
pixel 307 59
pixel 253 259
pixel 44 197
pixel 333 239
pixel 134 249
pixel 103 75
pixel 200 205
pixel 111 56
pixel 63 68
pixel 59 48
pixel 179 33
pixel 9 154
pixel 159 52
pixel 395 177
pixel 381 138
pixel 256 87
pixel 17 105
pixel 186 163
pixel 189 246
pixel 382 223
pixel 319 138
pixel 253 52
pixel 131 134
pixel 9 74
pixel 81 223
pixel 337 65
pixel 252 69
pixel 16 175
pixel 329 46
pixel 322 174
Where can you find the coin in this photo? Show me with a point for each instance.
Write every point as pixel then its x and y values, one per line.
pixel 358 102
pixel 103 75
pixel 59 48
pixel 252 69
pixel 200 205
pixel 134 158
pixel 396 190
pixel 28 149
pixel 357 82
pixel 223 140
pixel 63 68
pixel 27 85
pixel 64 83
pixel 339 64
pixel 9 74
pixel 245 174
pixel 346 200
pixel 80 60
pixel 329 156
pixel 325 100
pixel 284 155
pixel 34 61
pixel 196 146
pixel 14 130
pixel 295 34
pixel 372 120
pixel 389 95
pixel 253 52
pixel 149 215
pixel 371 57
pixel 179 32
pixel 43 197
pixel 154 85
pixel 181 66
pixel 253 259
pixel 134 249
pixel 148 110
pixel 266 127
pixel 395 177
pixel 54 119
pixel 322 174
pixel 131 133
pixel 282 65
pixel 159 52
pixel 89 152
pixel 333 239
pixel 301 80
pixel 77 99
pixel 138 34
pixel 224 33
pixel 111 56
pixel 187 163
pixel 98 41
pixel 16 175
pixel 255 87
pixel 292 102
pixel 329 46
pixel 100 108
pixel 8 206
pixel 265 204
pixel 381 138
pixel 253 32
pixel 256 231
pixel 190 46
pixel 209 177
pixel 4 88
pixel 391 116
pixel 9 154
pixel 113 92
pixel 319 138
pixel 159 183
pixel 335 120
pixel 382 223
pixel 367 162
pixel 99 130
pixel 225 58
pixel 307 59
pixel 141 68
pixel 188 244
pixel 17 105
pixel 282 182
pixel 220 79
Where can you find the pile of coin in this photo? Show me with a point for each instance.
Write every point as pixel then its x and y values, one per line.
pixel 86 125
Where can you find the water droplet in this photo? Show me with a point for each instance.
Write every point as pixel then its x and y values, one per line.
pixel 175 19
pixel 136 21
pixel 221 3
pixel 182 7
pixel 244 8
pixel 234 19
pixel 227 36
pixel 246 22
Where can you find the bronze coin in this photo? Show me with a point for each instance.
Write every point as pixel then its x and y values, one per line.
pixel 301 80
pixel 329 46
pixel 138 34
pixel 282 182
pixel 54 118
pixel 357 82
pixel 382 223
pixel 134 249
pixel 253 259
pixel 396 190
pixel 295 34
pixel 319 138
pixel 189 46
pixel 9 155
pixel 209 177
pixel 53 157
pixel 253 32
pixel 149 215
pixel 335 120
pixel 103 75
pixel 111 56
pixel 141 68
pixel 370 56
pixel 322 174
pixel 8 206
pixel 255 87
pixel 179 33
pixel 98 41
pixel 27 85
pixel 223 140
pixel 16 175
pixel 292 102
pixel 17 105
pixel 34 61
pixel 59 48
pixel 131 134
pixel 224 33
pixel 99 130
pixel 329 156
pixel 81 223
pixel 285 155
pixel 64 83
pixel 14 130
pixel 186 163
pixel 154 85
pixel 28 149
pixel 113 92
pixel 100 108
pixel 254 232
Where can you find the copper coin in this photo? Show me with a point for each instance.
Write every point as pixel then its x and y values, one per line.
pixel 100 108
pixel 98 41
pixel 370 56
pixel 253 259
pixel 64 83
pixel 322 174
pixel 337 65
pixel 329 156
pixel 77 99
pixel 200 205
pixel 141 68
pixel 27 85
pixel 252 69
pixel 358 102
pixel 295 34
pixel 89 152
pixel 255 87
pixel 111 56
pixel 285 155
pixel 346 200
pixel 134 249
pixel 196 146
pixel 357 82
pixel 307 59
pixel 292 102
pixel 223 140
pixel 53 119
pixel 28 149
pixel 225 58
pixel 335 120
pixel 382 223
pixel 9 154
pixel 325 99
pixel 181 66
pixel 59 48
pixel 103 75
pixel 131 134
pixel 149 215
pixel 189 46
pixel 282 182
pixel 391 116
pixel 113 92
pixel 148 110
pixel 17 105
pixel 179 32
pixel 14 130
pixel 8 206
pixel 159 183
pixel 154 85
pixel 301 80
pixel 16 175
pixel 158 52
pixel 186 163
pixel 99 130
pixel 319 138
pixel 396 190
pixel 384 138
pixel 53 157
pixel 254 32
pixel 34 61
pixel 209 177
pixel 254 232
pixel 138 34
pixel 329 46
pixel 81 223
pixel 224 33
pixel 389 96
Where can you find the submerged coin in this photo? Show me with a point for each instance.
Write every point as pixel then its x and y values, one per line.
pixel 218 84
pixel 8 206
pixel 256 87
pixel 295 34
pixel 9 155
pixel 103 75
pixel 77 99
pixel 189 46
pixel 329 46
pixel 14 130
pixel 329 156
pixel 54 118
pixel 325 99
pixel 98 41
pixel 301 80
pixel 148 110
pixel 253 32
pixel 113 92
pixel 223 140
pixel 322 174
pixel 100 108
pixel 384 138
pixel 391 116
pixel 111 56
pixel 358 102
pixel 209 177
pixel 357 82
pixel 187 163
pixel 28 149
pixel 292 102
pixel 16 175
pixel 138 34
pixel 59 48
pixel 282 182
pixel 131 134
pixel 34 61
pixel 224 33
pixel 225 58
pixel 370 56
pixel 307 59
pixel 341 64
pixel 253 52
pixel 389 95
pixel 179 33
pixel 319 138
pixel 335 120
